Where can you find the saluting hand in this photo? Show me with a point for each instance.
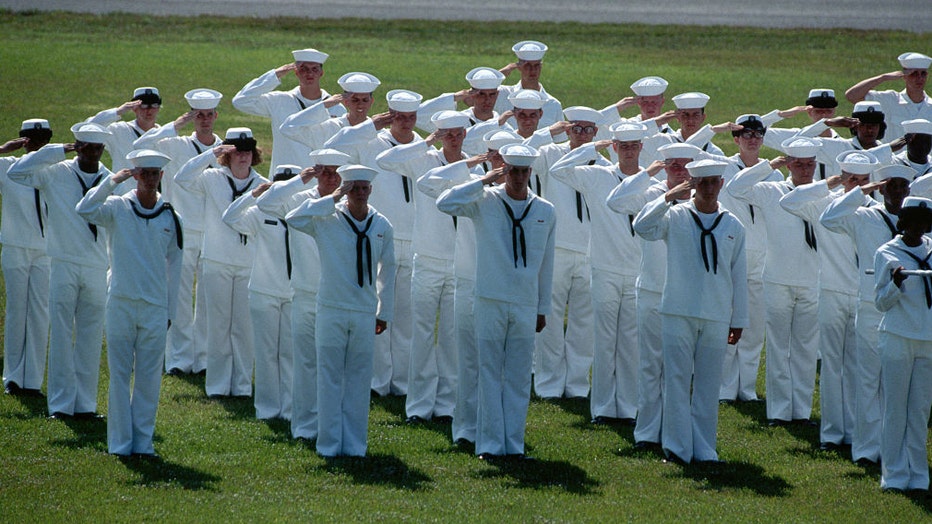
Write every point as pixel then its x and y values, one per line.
pixel 261 188
pixel 13 145
pixel 281 71
pixel 128 106
pixel 383 120
pixel 185 119
pixel 224 148
pixel 122 175
pixel 508 69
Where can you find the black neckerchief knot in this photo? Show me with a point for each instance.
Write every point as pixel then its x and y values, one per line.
pixel 362 245
pixel 707 233
pixel 517 231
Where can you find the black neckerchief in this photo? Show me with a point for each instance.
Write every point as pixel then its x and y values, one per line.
pixel 236 194
pixel 199 150
pixel 702 237
pixel 923 263
pixel 84 189
pixel 300 102
pixel 517 230
pixel 809 231
pixel 287 248
pixel 890 226
pixel 404 179
pixel 362 244
pixel 38 201
pixel 179 238
pixel 580 202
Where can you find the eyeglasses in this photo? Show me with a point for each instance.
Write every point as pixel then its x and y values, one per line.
pixel 583 129
pixel 150 106
pixel 751 134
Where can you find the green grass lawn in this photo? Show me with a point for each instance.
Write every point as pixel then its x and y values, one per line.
pixel 220 464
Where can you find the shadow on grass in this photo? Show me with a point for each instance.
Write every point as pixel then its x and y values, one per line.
pixel 160 473
pixel 578 406
pixel 238 408
pixel 733 476
pixel 36 407
pixel 87 434
pixel 378 470
pixel 542 474
pixel 394 406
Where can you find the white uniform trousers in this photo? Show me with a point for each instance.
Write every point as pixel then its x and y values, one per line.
pixel 505 337
pixel 26 324
pixel 615 351
pixel 77 298
pixel 907 398
pixel 229 330
pixel 271 326
pixel 837 312
pixel 792 349
pixel 304 389
pixel 466 412
pixel 136 333
pixel 868 395
pixel 393 346
pixel 432 369
pixel 692 373
pixel 344 374
pixel 650 368
pixel 186 348
pixel 742 360
pixel 564 357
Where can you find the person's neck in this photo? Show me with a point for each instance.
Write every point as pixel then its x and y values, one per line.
pixel 705 206
pixel 525 133
pixel 685 133
pixel 359 210
pixel 311 92
pixel 893 210
pixel 403 137
pixel 916 158
pixel 205 137
pixel 240 172
pixel 915 94
pixel 912 240
pixel 629 168
pixel 748 158
pixel 88 166
pixel 356 118
pixel 147 199
pixel 530 84
pixel 453 154
pixel 484 115
pixel 144 127
pixel 516 194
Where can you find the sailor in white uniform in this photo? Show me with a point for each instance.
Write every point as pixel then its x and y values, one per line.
pixel 146 248
pixel 899 106
pixel 354 304
pixel 145 105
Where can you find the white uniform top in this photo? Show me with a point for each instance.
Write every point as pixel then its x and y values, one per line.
pixel 691 290
pixel 754 225
pixel 278 201
pixel 473 143
pixel 775 137
pixel 832 147
pixel 24 213
pixel 270 268
pixel 505 272
pixel 865 221
pixel 146 246
pixel 221 242
pixel 339 283
pixel 553 109
pixel 120 143
pixel 897 107
pixel 59 180
pixel 363 143
pixel 433 184
pixel 573 214
pixel 657 137
pixel 628 199
pixel 790 260
pixel 259 98
pixel 312 127
pixel 923 168
pixel 614 247
pixel 837 253
pixel 434 232
pixel 906 311
pixel 181 149
pixel 921 186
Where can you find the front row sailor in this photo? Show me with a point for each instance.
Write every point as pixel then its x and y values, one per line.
pixel 146 249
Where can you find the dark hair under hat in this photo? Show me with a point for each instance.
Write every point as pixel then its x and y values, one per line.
pixel 871 116
pixel 39 134
pixel 751 123
pixel 243 143
pixel 823 101
pixel 148 97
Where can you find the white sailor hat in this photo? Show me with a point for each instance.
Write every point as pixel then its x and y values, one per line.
pixel 309 55
pixel 485 78
pixel 690 100
pixel 499 138
pixel 857 162
pixel 894 171
pixel 203 98
pixel 329 157
pixel 148 159
pixel 582 114
pixel 649 86
pixel 90 133
pixel 35 123
pixel 356 172
pixel 356 82
pixel 403 101
pixel 751 121
pixel 919 126
pixel 801 146
pixel 286 170
pixel 518 155
pixel 917 203
pixel 914 61
pixel 628 131
pixel 706 168
pixel 822 98
pixel 527 99
pixel 529 50
pixel 449 120
pixel 678 150
pixel 241 137
pixel 868 106
pixel 148 95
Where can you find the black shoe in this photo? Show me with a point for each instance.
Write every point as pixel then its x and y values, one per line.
pixel 805 422
pixel 777 422
pixel 726 402
pixel 601 421
pixel 672 458
pixel 174 372
pixel 12 388
pixel 830 446
pixel 895 491
pixel 464 443
pixel 443 419
pixel 627 421
pixel 756 400
pixel 646 445
pixel 488 457
pixel 414 420
pixel 59 415
pixel 87 415
pixel 865 462
pixel 520 457
pixel 30 392
pixel 149 457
